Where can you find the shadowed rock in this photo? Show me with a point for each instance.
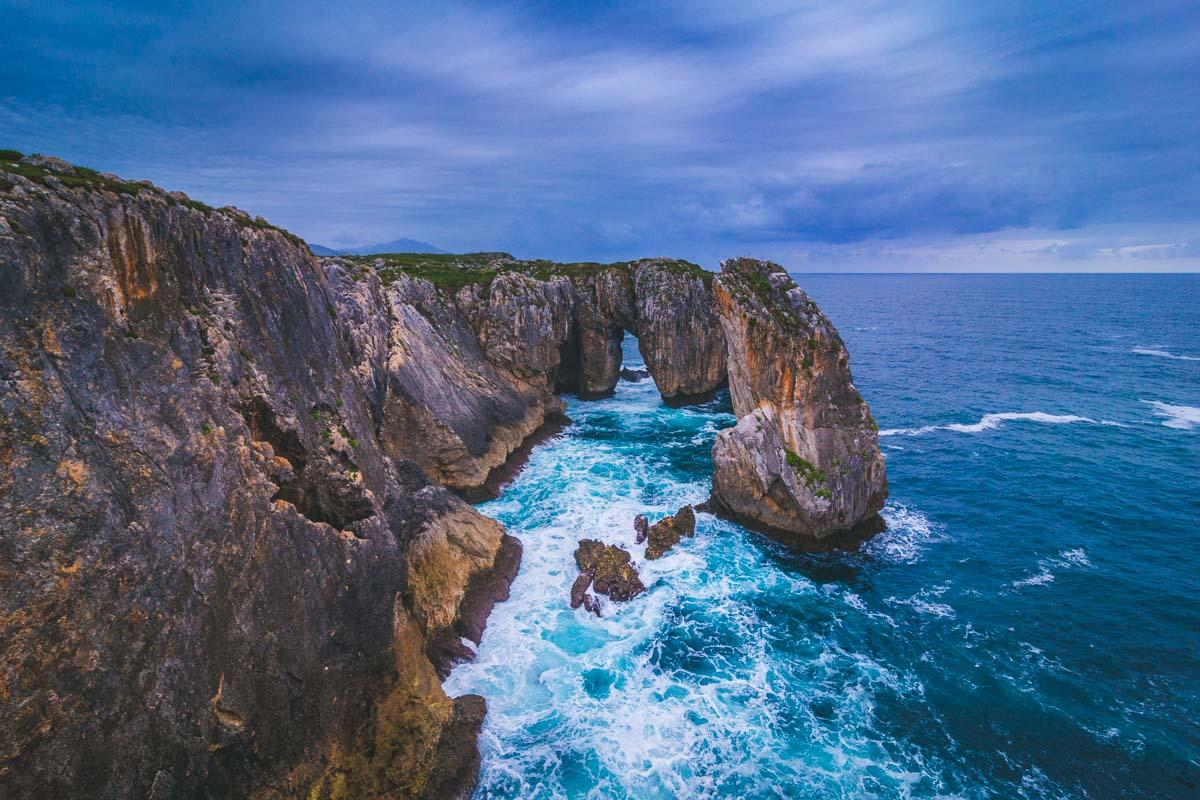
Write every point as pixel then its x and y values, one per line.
pixel 634 375
pixel 641 527
pixel 607 569
pixel 666 533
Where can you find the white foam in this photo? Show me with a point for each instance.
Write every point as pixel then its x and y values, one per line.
pixel 925 602
pixel 992 421
pixel 1152 351
pixel 908 531
pixel 1041 578
pixel 1075 558
pixel 1181 417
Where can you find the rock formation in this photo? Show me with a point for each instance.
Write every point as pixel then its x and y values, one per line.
pixel 641 528
pixel 607 569
pixel 803 460
pixel 213 580
pixel 229 562
pixel 679 331
pixel 461 356
pixel 666 533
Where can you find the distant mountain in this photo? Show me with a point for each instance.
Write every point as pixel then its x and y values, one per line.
pixel 397 246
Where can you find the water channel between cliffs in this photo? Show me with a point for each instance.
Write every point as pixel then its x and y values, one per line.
pixel 712 683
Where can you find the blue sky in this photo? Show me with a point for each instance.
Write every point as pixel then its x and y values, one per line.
pixel 829 136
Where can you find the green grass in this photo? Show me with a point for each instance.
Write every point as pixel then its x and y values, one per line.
pixel 808 471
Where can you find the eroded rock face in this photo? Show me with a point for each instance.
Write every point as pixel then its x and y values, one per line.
pixel 803 460
pixel 607 569
pixel 212 578
pixel 456 384
pixel 667 532
pixel 459 378
pixel 679 331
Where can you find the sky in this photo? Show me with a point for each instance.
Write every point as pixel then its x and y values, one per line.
pixel 1024 135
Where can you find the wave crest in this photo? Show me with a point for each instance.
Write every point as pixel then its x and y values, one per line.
pixel 991 421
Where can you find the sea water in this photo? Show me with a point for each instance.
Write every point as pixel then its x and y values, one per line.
pixel 1028 625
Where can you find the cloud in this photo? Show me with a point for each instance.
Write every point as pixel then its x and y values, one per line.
pixel 592 131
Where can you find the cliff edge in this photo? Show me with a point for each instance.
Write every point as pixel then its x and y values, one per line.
pixel 213 579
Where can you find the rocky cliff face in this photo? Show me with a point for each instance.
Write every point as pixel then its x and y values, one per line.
pixel 213 579
pixel 803 460
pixel 679 330
pixel 461 356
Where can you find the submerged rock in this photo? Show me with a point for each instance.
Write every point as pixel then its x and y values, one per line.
pixel 803 460
pixel 607 569
pixel 666 533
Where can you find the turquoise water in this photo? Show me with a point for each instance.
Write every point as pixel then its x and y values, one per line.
pixel 1029 625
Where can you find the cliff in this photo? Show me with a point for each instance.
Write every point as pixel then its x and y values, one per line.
pixel 213 579
pixel 461 357
pixel 803 460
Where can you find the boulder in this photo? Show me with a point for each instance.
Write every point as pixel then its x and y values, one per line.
pixel 666 533
pixel 607 569
pixel 641 527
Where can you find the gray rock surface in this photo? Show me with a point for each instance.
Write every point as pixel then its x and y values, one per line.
pixel 803 460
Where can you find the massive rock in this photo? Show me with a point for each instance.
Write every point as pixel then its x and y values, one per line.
pixel 213 580
pixel 679 330
pixel 457 383
pixel 803 460
pixel 461 356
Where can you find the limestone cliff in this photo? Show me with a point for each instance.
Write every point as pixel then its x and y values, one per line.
pixel 679 330
pixel 213 580
pixel 803 460
pixel 461 356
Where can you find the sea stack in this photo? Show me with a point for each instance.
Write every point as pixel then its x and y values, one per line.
pixel 803 461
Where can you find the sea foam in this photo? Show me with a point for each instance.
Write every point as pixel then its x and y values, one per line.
pixel 992 421
pixel 1181 417
pixel 1153 351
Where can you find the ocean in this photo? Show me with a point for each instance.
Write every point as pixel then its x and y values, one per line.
pixel 1028 625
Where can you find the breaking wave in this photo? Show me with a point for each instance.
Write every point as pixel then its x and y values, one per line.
pixel 1181 417
pixel 992 421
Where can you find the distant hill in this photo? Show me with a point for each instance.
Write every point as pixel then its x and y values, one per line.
pixel 397 246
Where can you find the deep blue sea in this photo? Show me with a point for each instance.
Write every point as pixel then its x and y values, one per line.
pixel 1028 626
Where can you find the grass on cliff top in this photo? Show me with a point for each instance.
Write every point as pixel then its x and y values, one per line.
pixel 452 271
pixel 76 177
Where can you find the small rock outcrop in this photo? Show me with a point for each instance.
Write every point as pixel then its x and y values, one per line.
pixel 668 531
pixel 641 528
pixel 634 375
pixel 803 460
pixel 608 570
